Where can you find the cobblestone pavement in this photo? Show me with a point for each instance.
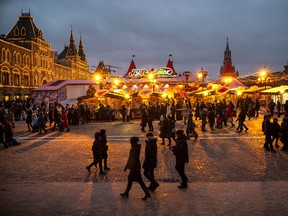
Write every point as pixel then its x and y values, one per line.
pixel 217 157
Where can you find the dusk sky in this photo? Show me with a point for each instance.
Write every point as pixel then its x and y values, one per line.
pixel 193 31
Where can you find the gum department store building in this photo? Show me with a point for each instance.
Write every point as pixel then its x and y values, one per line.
pixel 27 60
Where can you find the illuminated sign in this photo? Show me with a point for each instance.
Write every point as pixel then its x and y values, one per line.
pixel 137 73
pixel 159 72
pixel 164 72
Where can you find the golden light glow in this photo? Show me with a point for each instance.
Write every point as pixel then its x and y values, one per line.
pixel 151 76
pixel 127 96
pixel 228 79
pixel 97 78
pixel 164 95
pixel 239 93
pixel 263 73
pixel 116 82
pixel 199 75
pixel 205 93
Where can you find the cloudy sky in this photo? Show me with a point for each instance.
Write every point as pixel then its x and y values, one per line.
pixel 193 31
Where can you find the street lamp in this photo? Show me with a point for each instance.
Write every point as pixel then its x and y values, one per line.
pixel 97 78
pixel 263 76
pixel 152 80
pixel 201 76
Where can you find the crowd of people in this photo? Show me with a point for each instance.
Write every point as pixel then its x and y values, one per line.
pixel 216 115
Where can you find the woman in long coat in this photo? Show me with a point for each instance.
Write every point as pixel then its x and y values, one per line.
pixel 165 131
pixel 181 154
pixel 104 147
pixel 64 119
pixel 97 153
pixel 143 123
pixel 134 165
pixel 150 161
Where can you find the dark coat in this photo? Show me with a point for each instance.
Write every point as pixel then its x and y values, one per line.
pixel 97 151
pixel 143 119
pixel 181 150
pixel 134 164
pixel 165 128
pixel 150 153
pixel 104 146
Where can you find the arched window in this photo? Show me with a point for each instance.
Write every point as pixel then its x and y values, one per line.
pixel 14 56
pixel 5 77
pixel 16 31
pixel 23 31
pixel 9 55
pixel 25 81
pixel 35 80
pixel 28 61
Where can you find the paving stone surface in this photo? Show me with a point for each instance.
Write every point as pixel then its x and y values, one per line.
pixel 228 174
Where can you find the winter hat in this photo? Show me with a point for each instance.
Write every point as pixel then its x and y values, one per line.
pixel 134 139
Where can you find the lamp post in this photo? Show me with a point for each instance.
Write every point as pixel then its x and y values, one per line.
pixel 152 80
pixel 263 76
pixel 97 79
pixel 201 76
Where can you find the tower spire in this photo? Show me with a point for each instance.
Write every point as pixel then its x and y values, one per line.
pixel 72 51
pixel 81 52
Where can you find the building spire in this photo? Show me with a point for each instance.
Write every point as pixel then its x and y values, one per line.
pixel 72 51
pixel 81 52
pixel 227 45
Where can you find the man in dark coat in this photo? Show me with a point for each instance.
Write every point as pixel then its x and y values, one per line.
pixel 181 154
pixel 143 123
pixel 134 165
pixel 150 161
pixel 97 154
pixel 104 147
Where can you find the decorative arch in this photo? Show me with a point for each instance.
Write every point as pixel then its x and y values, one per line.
pixel 16 31
pixel 28 61
pixel 8 53
pixel 23 31
pixel 16 78
pixel 25 78
pixel 19 59
pixel 36 83
pixel 5 75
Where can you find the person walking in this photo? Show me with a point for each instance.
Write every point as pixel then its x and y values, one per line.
pixel 41 122
pixel 268 133
pixel 278 106
pixel 29 120
pixel 134 165
pixel 284 133
pixel 190 129
pixel 104 148
pixel 275 132
pixel 97 153
pixel 165 130
pixel 241 119
pixel 123 112
pixel 143 123
pixel 181 154
pixel 150 161
pixel 64 120
pixel 257 107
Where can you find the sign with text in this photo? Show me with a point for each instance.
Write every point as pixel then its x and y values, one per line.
pixel 159 72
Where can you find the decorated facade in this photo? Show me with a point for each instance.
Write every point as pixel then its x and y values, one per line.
pixel 27 61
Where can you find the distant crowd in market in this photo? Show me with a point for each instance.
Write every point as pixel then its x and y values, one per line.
pixel 38 117
pixel 217 115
